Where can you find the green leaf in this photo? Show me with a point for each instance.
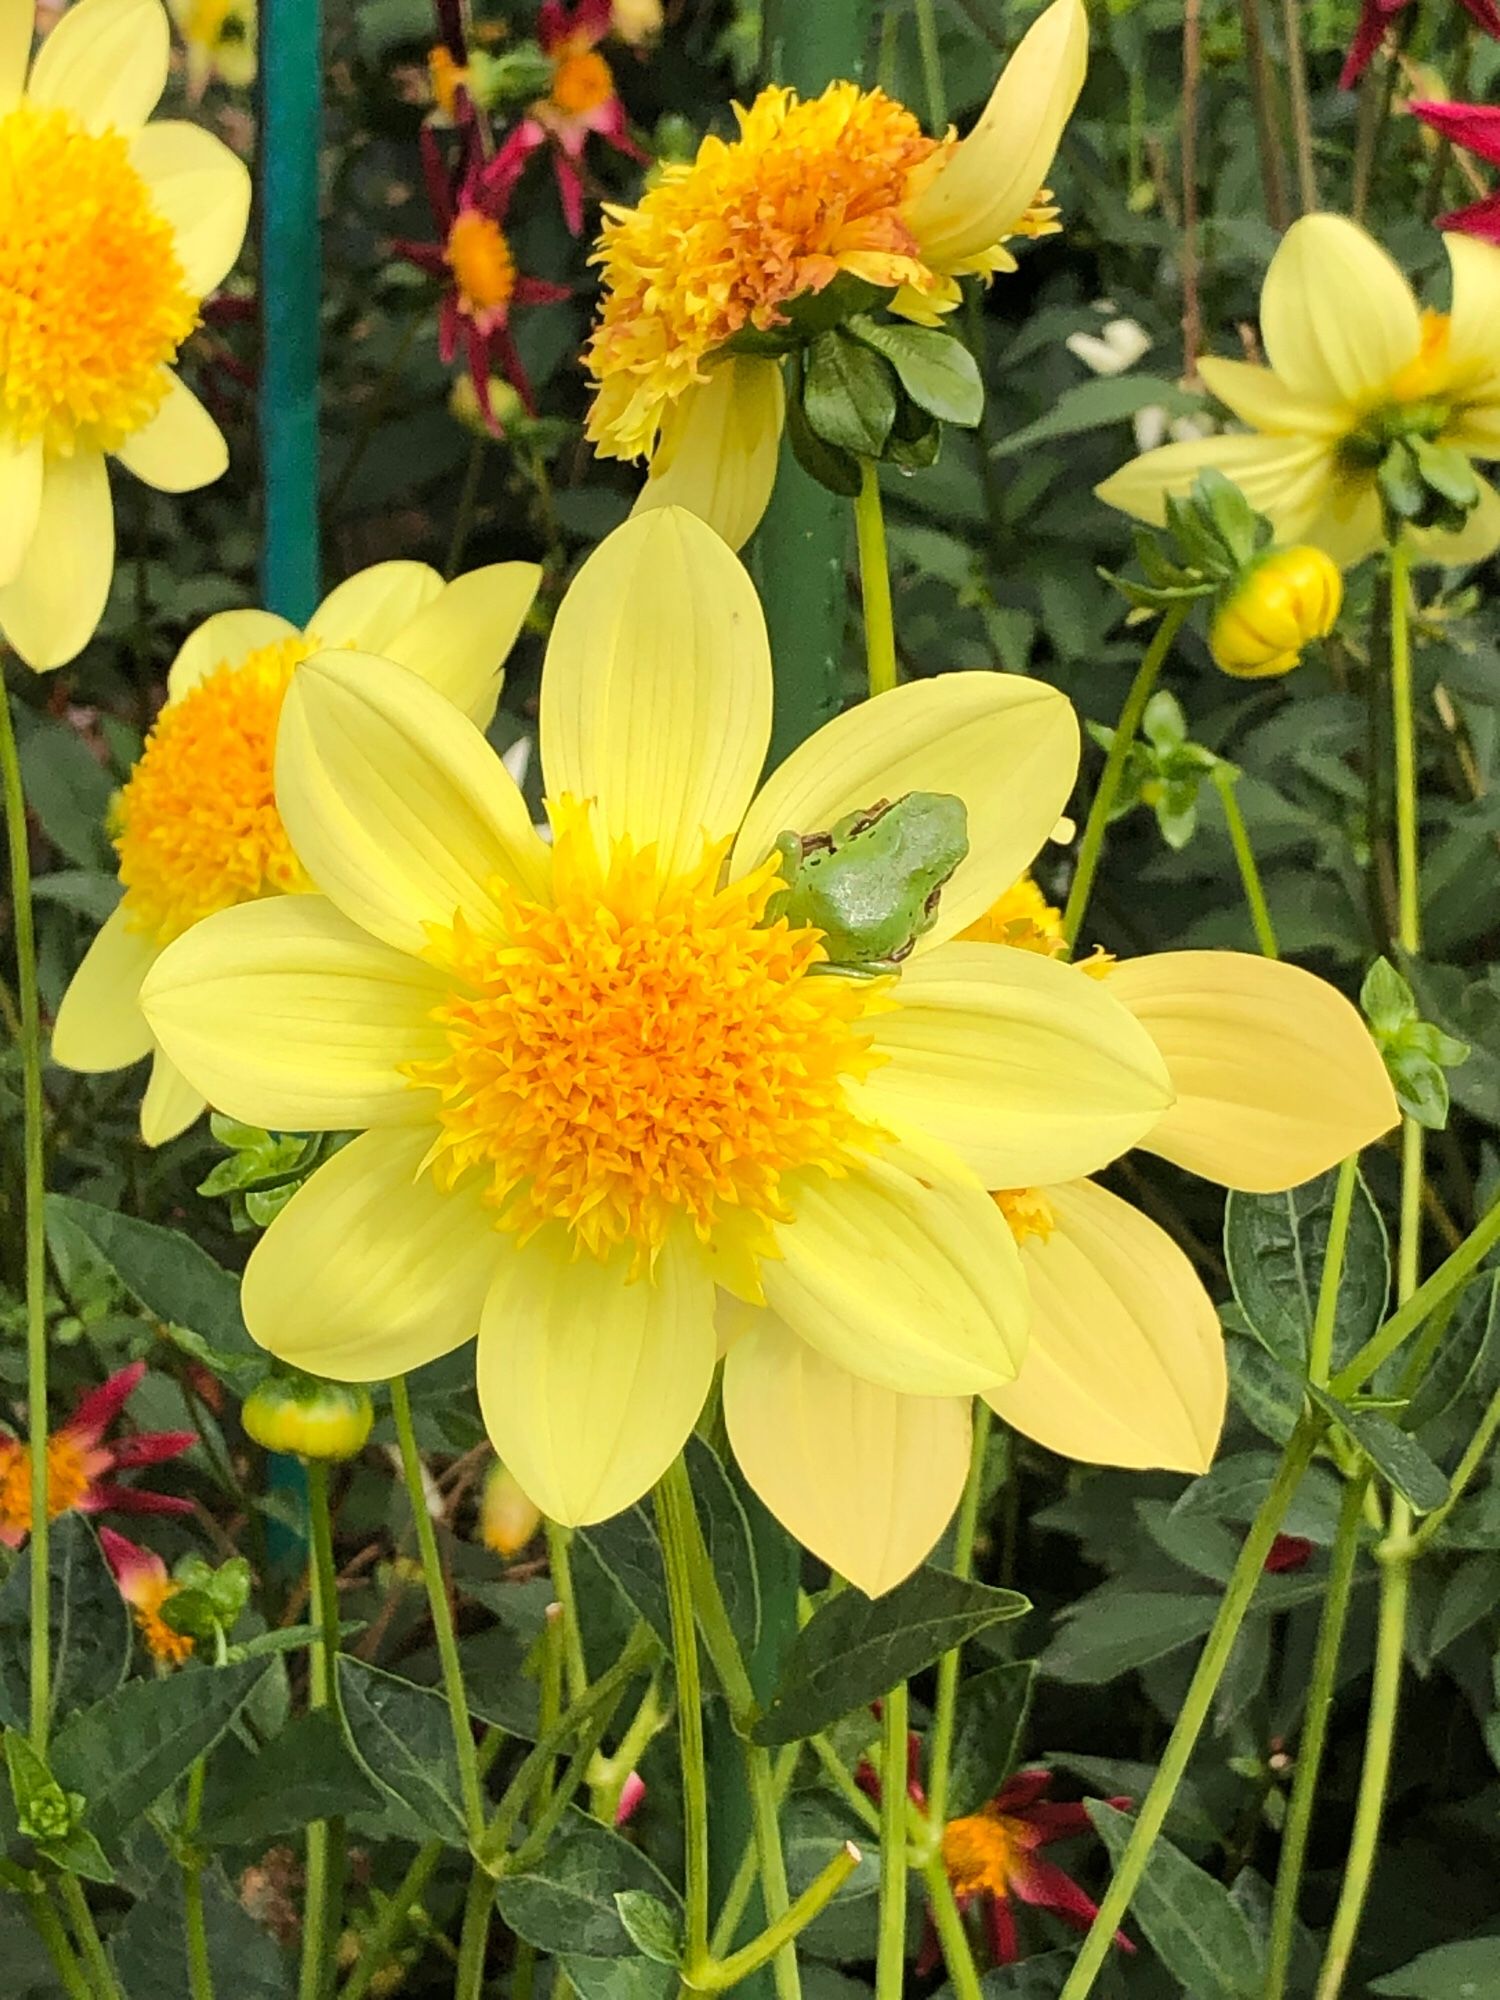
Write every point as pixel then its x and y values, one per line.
pixel 621 1978
pixel 848 395
pixel 1394 1453
pixel 1110 399
pixel 306 1772
pixel 935 369
pixel 853 1649
pixel 1469 1594
pixel 149 1948
pixel 567 1902
pixel 403 1740
pixel 90 1626
pixel 1114 1630
pixel 1196 1930
pixel 650 1925
pixel 1462 1348
pixel 992 1710
pixel 816 1828
pixel 1468 1971
pixel 1267 1390
pixel 831 467
pixel 1275 1246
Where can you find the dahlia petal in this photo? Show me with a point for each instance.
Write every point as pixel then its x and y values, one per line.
pixel 1260 398
pixel 107 1499
pixel 1288 478
pixel 1475 127
pixel 898 1272
pixel 20 499
pixel 1045 1886
pixel 368 609
pixel 130 1564
pixel 1005 745
pixel 52 606
pixel 96 1411
pixel 1277 1077
pixel 1337 316
pixel 569 189
pixel 863 1477
pixel 224 640
pixel 1030 1072
pixel 589 1380
pixel 656 697
pixel 1478 538
pixel 99 1024
pixel 285 1014
pixel 370 1270
pixel 181 448
pixel 1126 1360
pixel 203 190
pixel 459 642
pixel 170 1103
pixel 150 1448
pixel 395 804
pixel 105 61
pixel 719 448
pixel 16 21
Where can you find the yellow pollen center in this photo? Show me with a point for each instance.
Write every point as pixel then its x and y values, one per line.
pixel 480 260
pixel 979 1852
pixel 196 826
pixel 161 1642
pixel 643 1052
pixel 1028 1212
pixel 93 302
pixel 67 1480
pixel 1428 373
pixel 581 81
pixel 446 76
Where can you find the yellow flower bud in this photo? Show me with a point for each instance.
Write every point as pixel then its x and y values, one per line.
pixel 1286 599
pixel 313 1419
pixel 508 1518
pixel 463 403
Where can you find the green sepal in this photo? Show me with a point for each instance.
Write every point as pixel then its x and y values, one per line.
pixel 936 370
pixel 848 395
pixel 821 461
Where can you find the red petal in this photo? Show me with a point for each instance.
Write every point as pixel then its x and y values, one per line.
pixel 1368 36
pixel 1000 1922
pixel 570 190
pixel 1476 127
pixel 1020 1793
pixel 99 1408
pixel 152 1447
pixel 131 1500
pixel 1484 15
pixel 1481 218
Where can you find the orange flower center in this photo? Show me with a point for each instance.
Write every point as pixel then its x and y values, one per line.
pixel 161 1642
pixel 196 826
pixel 641 1052
pixel 581 81
pixel 68 1480
pixel 979 1852
pixel 480 260
pixel 445 75
pixel 93 302
pixel 1028 1212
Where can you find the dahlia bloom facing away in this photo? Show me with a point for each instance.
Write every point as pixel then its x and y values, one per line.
pixel 842 185
pixel 581 101
pixel 80 1463
pixel 601 1096
pixel 114 231
pixel 1355 367
pixel 195 825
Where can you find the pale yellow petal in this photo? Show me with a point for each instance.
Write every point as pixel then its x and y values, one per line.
pixel 285 1014
pixel 1126 1360
pixel 864 1478
pixel 656 694
pixel 99 1023
pixel 1259 398
pixel 898 1272
pixel 996 173
pixel 368 609
pixel 719 449
pixel 1005 745
pixel 1477 538
pixel 1474 324
pixel 224 640
pixel 1277 1078
pixel 21 465
pixel 1028 1070
pixel 459 641
pixel 203 190
pixel 396 805
pixel 170 1104
pixel 182 448
pixel 1287 478
pixel 590 1382
pixel 15 49
pixel 51 608
pixel 1337 317
pixel 105 61
pixel 369 1270
pixel 1348 525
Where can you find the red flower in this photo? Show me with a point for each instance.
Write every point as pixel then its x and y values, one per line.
pixel 1287 1552
pixel 474 263
pixel 78 1461
pixel 582 100
pixel 145 1586
pixel 1375 16
pixel 992 1859
pixel 1475 127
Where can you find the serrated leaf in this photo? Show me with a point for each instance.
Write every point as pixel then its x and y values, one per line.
pixel 567 1904
pixel 1275 1246
pixel 935 369
pixel 1200 1935
pixel 403 1740
pixel 854 1649
pixel 848 395
pixel 1394 1453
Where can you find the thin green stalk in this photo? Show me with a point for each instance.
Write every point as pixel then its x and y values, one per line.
pixel 468 495
pixel 1236 1601
pixel 890 1950
pixel 474 1935
pixel 561 1796
pixel 737 1900
pixel 608 1775
pixel 958 1955
pixel 1432 1293
pixel 1377 89
pixel 49 1928
pixel 442 1616
pixel 776 1937
pixel 837 1773
pixel 677 1554
pixel 101 1978
pixel 559 1561
pixel 875 581
pixel 1225 780
pixel 1325 1315
pixel 200 1968
pixel 1475 1454
pixel 945 1708
pixel 324 1887
pixel 1404 727
pixel 1092 844
pixel 1316 1716
pixel 1296 79
pixel 932 68
pixel 774 1892
pixel 34 1142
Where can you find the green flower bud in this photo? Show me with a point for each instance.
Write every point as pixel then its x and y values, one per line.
pixel 313 1419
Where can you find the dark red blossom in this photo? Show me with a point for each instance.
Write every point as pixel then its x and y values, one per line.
pixel 1475 127
pixel 79 1462
pixel 580 100
pixel 1375 18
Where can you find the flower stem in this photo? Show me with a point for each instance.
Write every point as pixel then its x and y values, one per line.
pixel 1325 1315
pixel 324 1889
pixel 1296 80
pixel 1475 1454
pixel 1114 767
pixel 474 1935
pixel 958 1956
pixel 442 1615
pixel 1403 721
pixel 875 582
pixel 200 1968
pixel 1434 1292
pixel 675 1530
pixel 468 496
pixel 932 68
pixel 1314 1735
pixel 1267 127
pixel 818 1894
pixel 1225 780
pixel 559 1561
pixel 101 1978
pixel 737 1900
pixel 1241 1588
pixel 945 1709
pixel 49 1929
pixel 35 1197
pixel 890 1958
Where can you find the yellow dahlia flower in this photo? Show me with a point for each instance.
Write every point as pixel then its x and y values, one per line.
pixel 112 232
pixel 219 37
pixel 195 825
pixel 1355 368
pixel 598 1091
pixel 846 184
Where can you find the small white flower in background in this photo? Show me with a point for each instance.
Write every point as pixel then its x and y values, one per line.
pixel 1119 344
pixel 1153 427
